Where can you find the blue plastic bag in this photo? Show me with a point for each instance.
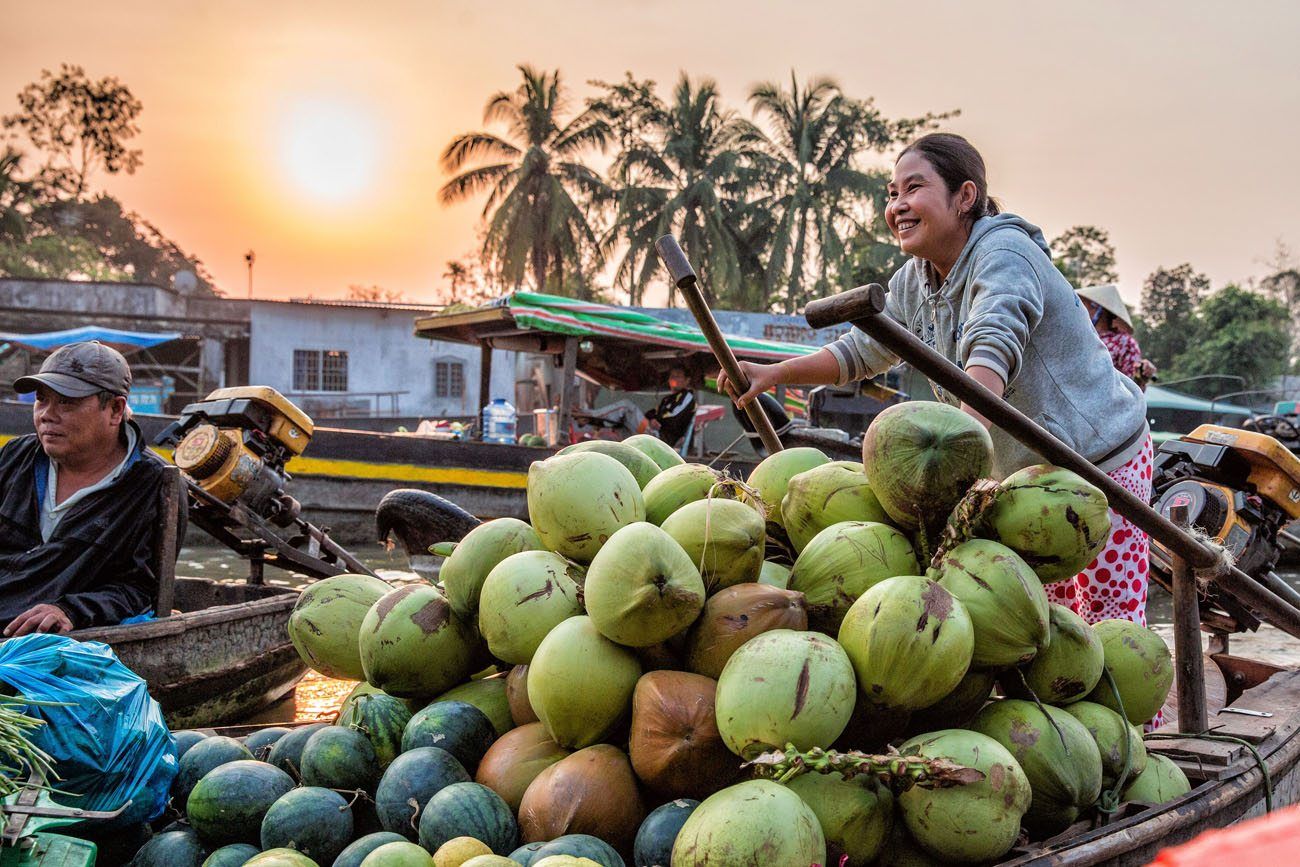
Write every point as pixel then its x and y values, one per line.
pixel 110 744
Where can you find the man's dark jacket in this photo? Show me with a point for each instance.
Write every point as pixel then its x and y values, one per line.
pixel 98 565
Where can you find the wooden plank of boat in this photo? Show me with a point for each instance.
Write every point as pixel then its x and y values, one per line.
pixel 226 655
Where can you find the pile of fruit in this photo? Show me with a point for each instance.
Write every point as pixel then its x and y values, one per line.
pixel 830 661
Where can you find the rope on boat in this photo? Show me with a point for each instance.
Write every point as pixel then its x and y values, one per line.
pixel 1108 802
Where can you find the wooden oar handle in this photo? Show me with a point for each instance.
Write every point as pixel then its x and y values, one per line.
pixel 670 253
pixel 859 303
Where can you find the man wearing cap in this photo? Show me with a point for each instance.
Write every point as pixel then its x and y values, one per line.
pixel 78 500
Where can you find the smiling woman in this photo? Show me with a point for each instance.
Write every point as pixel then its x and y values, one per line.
pixel 329 148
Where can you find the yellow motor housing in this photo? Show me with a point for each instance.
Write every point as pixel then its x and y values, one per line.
pixel 289 426
pixel 219 462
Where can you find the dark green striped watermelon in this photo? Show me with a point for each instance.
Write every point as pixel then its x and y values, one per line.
pixel 655 838
pixel 183 740
pixel 582 846
pixel 339 758
pixel 201 758
pixel 260 742
pixel 489 696
pixel 315 821
pixel 228 804
pixel 286 754
pixel 382 719
pixel 357 851
pixel 455 726
pixel 526 854
pixel 180 848
pixel 416 775
pixel 468 810
pixel 233 855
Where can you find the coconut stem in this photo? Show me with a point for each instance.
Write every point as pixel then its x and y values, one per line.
pixel 899 772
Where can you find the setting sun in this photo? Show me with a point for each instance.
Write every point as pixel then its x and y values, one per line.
pixel 329 149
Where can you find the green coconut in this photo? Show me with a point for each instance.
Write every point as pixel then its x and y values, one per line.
pixel 1052 517
pixel 774 575
pixel 771 478
pixel 958 707
pixel 1142 666
pixel 910 642
pixel 677 486
pixel 656 450
pixel 490 695
pixel 642 588
pixel 325 623
pixel 784 687
pixel 413 644
pixel 577 501
pixel 1161 782
pixel 845 560
pixel 580 683
pixel 825 495
pixel 1069 666
pixel 1116 738
pixel 974 822
pixel 642 467
pixel 855 815
pixel 1005 600
pixel 725 539
pixel 1059 757
pixel 463 573
pixel 735 615
pixel 922 457
pixel 756 822
pixel 524 596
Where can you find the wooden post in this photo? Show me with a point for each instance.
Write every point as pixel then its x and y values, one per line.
pixel 169 505
pixel 1189 677
pixel 568 370
pixel 484 385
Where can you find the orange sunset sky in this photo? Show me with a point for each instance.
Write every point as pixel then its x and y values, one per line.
pixel 310 132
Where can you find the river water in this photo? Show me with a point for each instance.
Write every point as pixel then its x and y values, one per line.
pixel 318 697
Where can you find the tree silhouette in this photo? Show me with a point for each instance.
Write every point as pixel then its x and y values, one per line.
pixel 1085 256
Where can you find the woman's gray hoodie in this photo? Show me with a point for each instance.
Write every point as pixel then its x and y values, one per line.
pixel 1005 306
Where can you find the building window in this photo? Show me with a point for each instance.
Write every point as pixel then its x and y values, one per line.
pixel 449 379
pixel 320 370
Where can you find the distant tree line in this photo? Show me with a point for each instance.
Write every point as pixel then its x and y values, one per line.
pixel 68 129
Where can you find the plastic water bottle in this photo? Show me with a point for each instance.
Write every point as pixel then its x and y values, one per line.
pixel 499 422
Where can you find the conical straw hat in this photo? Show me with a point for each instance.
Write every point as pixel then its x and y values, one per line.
pixel 1107 298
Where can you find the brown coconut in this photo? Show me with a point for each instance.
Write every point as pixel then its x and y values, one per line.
pixel 675 746
pixel 515 760
pixel 736 614
pixel 593 791
pixel 521 710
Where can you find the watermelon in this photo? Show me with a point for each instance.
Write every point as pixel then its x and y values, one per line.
pixel 403 854
pixel 468 810
pixel 527 853
pixel 654 840
pixel 180 848
pixel 260 742
pixel 489 696
pixel 382 719
pixel 455 726
pixel 358 850
pixel 286 754
pixel 416 776
pixel 233 855
pixel 339 758
pixel 582 846
pixel 315 821
pixel 281 858
pixel 201 758
pixel 183 740
pixel 228 804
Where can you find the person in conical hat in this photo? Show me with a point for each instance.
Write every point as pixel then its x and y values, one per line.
pixel 1114 326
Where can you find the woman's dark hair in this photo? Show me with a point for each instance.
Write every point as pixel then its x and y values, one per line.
pixel 956 161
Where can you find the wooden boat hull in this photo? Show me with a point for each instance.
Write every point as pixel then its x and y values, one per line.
pixel 227 655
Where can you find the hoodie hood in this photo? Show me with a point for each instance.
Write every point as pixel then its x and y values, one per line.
pixel 956 281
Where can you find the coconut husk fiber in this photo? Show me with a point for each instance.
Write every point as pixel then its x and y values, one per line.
pixel 593 791
pixel 516 759
pixel 521 710
pixel 736 614
pixel 675 746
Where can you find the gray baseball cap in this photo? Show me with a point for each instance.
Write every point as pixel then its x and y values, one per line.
pixel 81 369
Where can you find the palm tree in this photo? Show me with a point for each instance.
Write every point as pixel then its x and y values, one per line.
pixel 684 171
pixel 539 193
pixel 817 192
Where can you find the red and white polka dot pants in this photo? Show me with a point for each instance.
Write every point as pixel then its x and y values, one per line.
pixel 1115 584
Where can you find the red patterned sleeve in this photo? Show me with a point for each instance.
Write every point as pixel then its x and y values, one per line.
pixel 1124 352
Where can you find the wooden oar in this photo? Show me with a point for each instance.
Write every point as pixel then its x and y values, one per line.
pixel 864 308
pixel 670 253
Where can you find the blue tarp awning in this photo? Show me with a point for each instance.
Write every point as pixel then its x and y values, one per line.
pixel 125 342
pixel 1165 398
